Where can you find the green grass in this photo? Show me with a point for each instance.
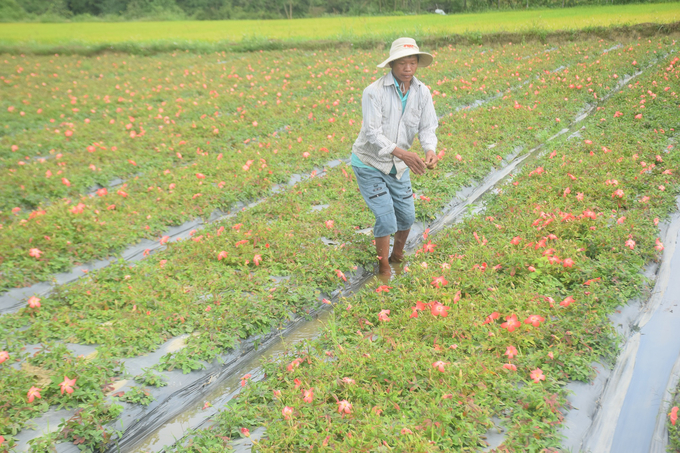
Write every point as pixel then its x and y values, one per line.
pixel 339 28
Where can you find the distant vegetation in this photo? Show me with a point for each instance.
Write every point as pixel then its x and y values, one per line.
pixel 124 10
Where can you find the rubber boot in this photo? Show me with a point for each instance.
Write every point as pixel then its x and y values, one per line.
pixel 400 238
pixel 382 249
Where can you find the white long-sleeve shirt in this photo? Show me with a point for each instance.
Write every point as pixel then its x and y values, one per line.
pixel 385 126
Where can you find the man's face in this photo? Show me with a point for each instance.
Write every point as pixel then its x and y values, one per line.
pixel 405 68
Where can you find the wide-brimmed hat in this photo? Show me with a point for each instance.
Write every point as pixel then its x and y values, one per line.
pixel 404 47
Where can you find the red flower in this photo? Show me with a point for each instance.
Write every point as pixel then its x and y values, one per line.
pixel 429 247
pixel 568 301
pixel 66 386
pixel 534 320
pixel 568 262
pixel 344 406
pixel 491 317
pixel 439 365
pixel 511 352
pixel 4 355
pixel 439 309
pixel 438 282
pixel 510 366
pixel 511 323
pixel 537 375
pixel 674 415
pixel 33 393
pixel 515 240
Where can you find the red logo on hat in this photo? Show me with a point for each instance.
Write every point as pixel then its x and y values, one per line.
pixel 410 46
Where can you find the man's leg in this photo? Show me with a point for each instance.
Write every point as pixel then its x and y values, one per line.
pixel 404 209
pixel 378 198
pixel 382 249
pixel 400 238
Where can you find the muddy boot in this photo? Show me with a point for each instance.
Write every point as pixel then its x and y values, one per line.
pixel 400 238
pixel 382 249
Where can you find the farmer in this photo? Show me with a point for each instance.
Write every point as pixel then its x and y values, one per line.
pixel 395 107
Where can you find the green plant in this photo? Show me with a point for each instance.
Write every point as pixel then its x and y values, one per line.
pixel 148 377
pixel 137 395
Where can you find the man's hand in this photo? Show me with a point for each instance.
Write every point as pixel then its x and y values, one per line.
pixel 412 160
pixel 431 159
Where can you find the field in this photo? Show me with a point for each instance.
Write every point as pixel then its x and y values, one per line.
pixel 497 308
pixel 126 35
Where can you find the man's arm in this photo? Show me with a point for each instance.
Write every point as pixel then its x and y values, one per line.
pixel 426 131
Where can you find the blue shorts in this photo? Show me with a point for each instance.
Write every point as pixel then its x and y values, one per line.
pixel 390 199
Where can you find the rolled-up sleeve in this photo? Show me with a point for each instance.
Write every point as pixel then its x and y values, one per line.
pixel 371 107
pixel 428 124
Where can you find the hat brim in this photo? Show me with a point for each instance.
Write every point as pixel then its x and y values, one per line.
pixel 424 61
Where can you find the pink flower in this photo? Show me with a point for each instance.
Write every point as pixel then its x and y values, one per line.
pixel 439 365
pixel 308 395
pixel 244 379
pixel 621 219
pixel 329 224
pixel 511 323
pixel 66 386
pixel 537 375
pixel 4 355
pixel 383 315
pixel 568 262
pixel 245 432
pixel 200 175
pixel 164 239
pixel 674 415
pixel 510 366
pixel 221 255
pixel 287 412
pixel 439 309
pixel 534 320
pixel 515 240
pixel 33 393
pixel 35 253
pixel 340 274
pixel 630 244
pixel 511 352
pixel 383 288
pixel 618 193
pixel 257 259
pixel 438 282
pixel 348 381
pixel 405 431
pixel 344 406
pixel 34 302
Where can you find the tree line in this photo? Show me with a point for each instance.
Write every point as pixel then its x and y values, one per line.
pixel 60 10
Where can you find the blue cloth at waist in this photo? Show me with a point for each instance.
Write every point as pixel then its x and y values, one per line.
pixel 358 163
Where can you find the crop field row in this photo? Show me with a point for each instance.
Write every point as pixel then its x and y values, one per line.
pixel 201 146
pixel 177 170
